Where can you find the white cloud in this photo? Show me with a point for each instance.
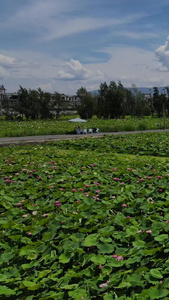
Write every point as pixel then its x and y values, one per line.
pixel 52 19
pixel 127 64
pixel 6 61
pixel 67 27
pixel 3 73
pixel 162 54
pixel 76 71
pixel 131 65
pixel 137 35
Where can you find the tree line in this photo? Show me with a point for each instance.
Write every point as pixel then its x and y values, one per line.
pixel 113 100
pixel 34 104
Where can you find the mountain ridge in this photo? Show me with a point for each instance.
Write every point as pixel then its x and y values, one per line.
pixel 144 90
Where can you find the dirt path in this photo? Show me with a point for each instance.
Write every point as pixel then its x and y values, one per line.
pixel 26 140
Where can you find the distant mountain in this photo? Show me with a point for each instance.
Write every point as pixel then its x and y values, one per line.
pixel 148 90
pixel 144 90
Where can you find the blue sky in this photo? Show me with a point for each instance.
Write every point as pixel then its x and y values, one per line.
pixel 61 45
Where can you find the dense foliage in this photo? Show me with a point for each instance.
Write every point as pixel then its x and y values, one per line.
pixel 79 221
pixel 112 100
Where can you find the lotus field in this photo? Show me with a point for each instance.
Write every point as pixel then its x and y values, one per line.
pixel 85 219
pixel 62 126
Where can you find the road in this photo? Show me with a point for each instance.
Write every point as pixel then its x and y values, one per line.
pixel 26 140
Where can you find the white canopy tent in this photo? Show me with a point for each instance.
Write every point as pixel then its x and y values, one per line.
pixel 78 120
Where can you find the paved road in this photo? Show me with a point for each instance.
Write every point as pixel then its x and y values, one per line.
pixel 25 140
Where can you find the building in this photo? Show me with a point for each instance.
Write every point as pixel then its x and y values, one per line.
pixel 9 101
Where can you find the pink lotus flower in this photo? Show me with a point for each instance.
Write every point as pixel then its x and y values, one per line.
pixel 77 201
pixel 18 204
pixel 139 231
pixel 51 187
pixel 115 169
pixel 73 190
pixel 104 284
pixel 160 190
pixel 124 205
pixel 166 221
pixel 97 192
pixel 57 203
pixel 148 231
pixel 128 217
pixel 29 233
pixel 116 179
pixel 81 190
pixel 61 189
pixel 86 194
pixel 118 258
pixel 100 266
pixel 44 215
pixel 87 185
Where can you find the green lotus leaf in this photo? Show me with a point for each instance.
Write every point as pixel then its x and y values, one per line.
pixel 156 273
pixel 132 230
pixel 90 240
pixel 98 259
pixel 123 284
pixel 64 259
pixel 105 248
pixel 156 293
pixel 161 237
pixel 138 244
pixel 4 290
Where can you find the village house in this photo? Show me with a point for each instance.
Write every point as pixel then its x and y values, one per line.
pixel 9 101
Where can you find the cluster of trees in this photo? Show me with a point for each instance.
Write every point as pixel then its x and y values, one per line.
pixel 116 101
pixel 112 101
pixel 34 104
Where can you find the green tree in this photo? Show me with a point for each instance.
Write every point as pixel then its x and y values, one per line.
pixel 157 102
pixel 44 104
pixel 87 104
pixel 33 104
pixel 111 100
pixel 140 105
pixel 58 104
pixel 103 101
pixel 23 102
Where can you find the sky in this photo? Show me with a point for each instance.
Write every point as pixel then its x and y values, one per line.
pixel 62 45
